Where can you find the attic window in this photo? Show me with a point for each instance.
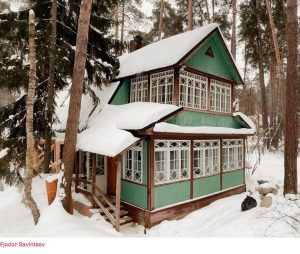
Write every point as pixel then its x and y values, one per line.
pixel 209 52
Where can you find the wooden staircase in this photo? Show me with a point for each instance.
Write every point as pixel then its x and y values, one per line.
pixel 124 215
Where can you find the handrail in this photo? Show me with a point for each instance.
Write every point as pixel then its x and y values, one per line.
pixel 104 197
pixel 107 213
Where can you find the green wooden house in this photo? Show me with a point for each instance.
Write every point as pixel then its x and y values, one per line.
pixel 165 140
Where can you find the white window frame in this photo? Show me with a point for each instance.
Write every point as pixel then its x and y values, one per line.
pixel 162 87
pixel 100 164
pixel 139 89
pixel 167 171
pixel 236 161
pixel 138 148
pixel 220 96
pixel 193 90
pixel 204 148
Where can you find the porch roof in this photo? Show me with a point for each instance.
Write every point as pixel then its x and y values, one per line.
pixel 108 128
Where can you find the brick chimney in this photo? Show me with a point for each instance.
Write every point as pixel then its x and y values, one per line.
pixel 136 43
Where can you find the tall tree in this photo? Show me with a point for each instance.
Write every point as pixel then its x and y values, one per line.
pixel 75 101
pixel 190 15
pixel 161 17
pixel 290 148
pixel 29 201
pixel 233 33
pixel 51 89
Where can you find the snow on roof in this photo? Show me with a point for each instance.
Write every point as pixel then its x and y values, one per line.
pixel 163 53
pixel 172 128
pixel 246 119
pixel 106 133
pixel 63 98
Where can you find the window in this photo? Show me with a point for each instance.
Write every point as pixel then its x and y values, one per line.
pixel 171 161
pixel 206 157
pixel 132 164
pixel 139 89
pixel 220 96
pixel 100 164
pixel 162 87
pixel 233 158
pixel 193 90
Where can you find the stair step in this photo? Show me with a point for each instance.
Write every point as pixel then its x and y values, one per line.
pixel 125 220
pixel 123 213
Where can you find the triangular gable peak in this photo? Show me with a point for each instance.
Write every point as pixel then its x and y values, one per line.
pixel 212 56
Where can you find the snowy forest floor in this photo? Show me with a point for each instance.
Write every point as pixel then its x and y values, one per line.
pixel 222 218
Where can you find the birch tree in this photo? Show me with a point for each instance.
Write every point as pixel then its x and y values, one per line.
pixel 75 101
pixel 28 199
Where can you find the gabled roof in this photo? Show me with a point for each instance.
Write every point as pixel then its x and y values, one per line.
pixel 167 52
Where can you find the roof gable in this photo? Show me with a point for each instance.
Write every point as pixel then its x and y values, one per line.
pixel 221 64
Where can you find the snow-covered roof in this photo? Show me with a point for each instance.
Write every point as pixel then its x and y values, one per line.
pixel 172 128
pixel 63 98
pixel 107 133
pixel 246 119
pixel 163 53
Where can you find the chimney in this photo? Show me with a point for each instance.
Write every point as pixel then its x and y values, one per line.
pixel 136 43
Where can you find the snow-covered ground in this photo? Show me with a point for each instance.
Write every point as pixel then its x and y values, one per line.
pixel 222 218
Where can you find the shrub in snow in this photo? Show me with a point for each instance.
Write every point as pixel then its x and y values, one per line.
pixel 248 203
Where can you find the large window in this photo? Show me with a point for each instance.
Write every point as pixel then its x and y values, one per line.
pixel 162 84
pixel 220 96
pixel 100 164
pixel 133 164
pixel 206 157
pixel 139 89
pixel 171 161
pixel 193 90
pixel 232 153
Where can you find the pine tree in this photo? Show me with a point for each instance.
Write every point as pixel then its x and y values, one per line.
pixel 290 147
pixel 75 101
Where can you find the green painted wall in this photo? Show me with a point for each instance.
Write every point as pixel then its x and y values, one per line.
pixel 219 65
pixel 134 194
pixel 232 179
pixel 188 118
pixel 171 194
pixel 206 186
pixel 122 95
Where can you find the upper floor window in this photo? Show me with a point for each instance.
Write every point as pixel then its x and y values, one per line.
pixel 206 157
pixel 220 96
pixel 232 154
pixel 162 84
pixel 133 164
pixel 139 89
pixel 172 159
pixel 193 90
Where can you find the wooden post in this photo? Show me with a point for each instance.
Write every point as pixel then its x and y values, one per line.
pixel 78 170
pixel 221 164
pixel 118 194
pixel 57 156
pixel 191 169
pixel 176 87
pixel 93 178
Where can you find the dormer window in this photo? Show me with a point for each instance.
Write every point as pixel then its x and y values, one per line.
pixel 139 89
pixel 162 84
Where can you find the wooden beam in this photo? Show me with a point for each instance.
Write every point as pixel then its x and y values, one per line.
pixel 118 194
pixel 151 174
pixel 93 178
pixel 191 169
pixel 176 87
pixel 221 164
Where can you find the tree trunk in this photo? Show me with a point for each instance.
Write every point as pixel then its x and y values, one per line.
pixel 213 10
pixel 75 101
pixel 29 201
pixel 190 15
pixel 122 26
pixel 279 102
pixel 290 148
pixel 207 10
pixel 261 76
pixel 161 15
pixel 5 97
pixel 50 100
pixel 117 21
pixel 233 36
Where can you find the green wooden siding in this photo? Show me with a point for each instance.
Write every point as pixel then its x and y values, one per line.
pixel 122 94
pixel 188 118
pixel 206 186
pixel 232 179
pixel 171 194
pixel 219 65
pixel 134 194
